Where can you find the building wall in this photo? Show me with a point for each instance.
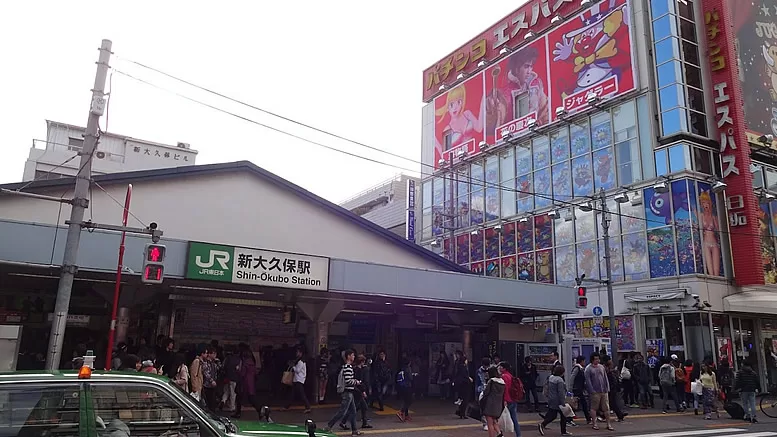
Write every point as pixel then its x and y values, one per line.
pixel 389 214
pixel 235 209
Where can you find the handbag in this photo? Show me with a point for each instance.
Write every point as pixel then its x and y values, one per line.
pixel 506 422
pixel 288 377
pixel 625 373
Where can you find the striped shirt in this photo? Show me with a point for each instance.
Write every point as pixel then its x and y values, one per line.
pixel 348 377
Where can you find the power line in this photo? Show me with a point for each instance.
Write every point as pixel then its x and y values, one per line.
pixel 470 179
pixel 119 203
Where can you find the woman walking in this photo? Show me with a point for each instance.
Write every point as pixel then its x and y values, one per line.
pixel 181 378
pixel 556 398
pixel 405 390
pixel 709 391
pixel 442 376
pixel 462 383
pixel 323 374
pixel 492 403
pixel 246 386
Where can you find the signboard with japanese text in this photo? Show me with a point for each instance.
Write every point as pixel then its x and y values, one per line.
pixel 729 103
pixel 239 265
pixel 410 218
pixel 590 52
pixel 533 16
pixel 755 33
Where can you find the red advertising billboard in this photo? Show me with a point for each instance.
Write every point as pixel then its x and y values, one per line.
pixel 741 203
pixel 533 16
pixel 458 120
pixel 591 52
pixel 517 91
pixel 755 30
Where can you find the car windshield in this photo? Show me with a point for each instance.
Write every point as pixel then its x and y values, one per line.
pixel 218 421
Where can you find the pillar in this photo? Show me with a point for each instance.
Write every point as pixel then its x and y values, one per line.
pixel 466 343
pixel 321 317
pixel 122 324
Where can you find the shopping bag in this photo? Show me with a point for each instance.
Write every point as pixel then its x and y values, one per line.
pixel 288 378
pixel 567 410
pixel 506 422
pixel 573 401
pixel 697 387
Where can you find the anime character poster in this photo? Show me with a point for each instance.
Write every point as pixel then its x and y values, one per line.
pixel 492 268
pixel 543 188
pixel 591 53
pixel 516 90
pixel 478 268
pixel 492 243
pixel 462 249
pixel 604 169
pixel 565 232
pixel 725 350
pixel 693 202
pixel 509 267
pixel 477 207
pixel 566 265
pixel 767 245
pixel 446 250
pixel 492 204
pixel 507 239
pixel 616 259
pixel 476 246
pixel 526 266
pixel 682 222
pixel 524 196
pixel 587 260
pixel 661 252
pixel 585 226
pixel 582 176
pixel 543 231
pixel 659 207
pixel 544 266
pixel 562 180
pixel 754 23
pixel 559 145
pixel 459 119
pixel 635 259
pixel 525 236
pixel 632 215
pixel 710 230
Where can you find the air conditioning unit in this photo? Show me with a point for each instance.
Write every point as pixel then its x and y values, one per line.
pixel 184 145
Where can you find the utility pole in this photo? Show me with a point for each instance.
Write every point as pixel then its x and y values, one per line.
pixel 608 269
pixel 80 203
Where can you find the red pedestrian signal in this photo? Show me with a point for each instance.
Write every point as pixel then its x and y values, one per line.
pixel 582 299
pixel 153 264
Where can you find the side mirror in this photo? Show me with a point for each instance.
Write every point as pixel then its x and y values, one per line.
pixel 310 428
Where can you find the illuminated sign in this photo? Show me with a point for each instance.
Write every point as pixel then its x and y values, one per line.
pixel 741 203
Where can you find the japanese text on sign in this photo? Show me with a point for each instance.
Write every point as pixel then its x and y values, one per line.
pixel 736 210
pixel 516 126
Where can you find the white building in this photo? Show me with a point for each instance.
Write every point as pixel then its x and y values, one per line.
pixel 115 153
pixel 385 204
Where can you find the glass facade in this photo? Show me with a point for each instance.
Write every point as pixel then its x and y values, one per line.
pixel 678 73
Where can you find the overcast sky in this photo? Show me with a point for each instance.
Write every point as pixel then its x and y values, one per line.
pixel 349 67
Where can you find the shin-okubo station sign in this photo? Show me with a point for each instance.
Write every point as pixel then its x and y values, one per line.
pixel 238 265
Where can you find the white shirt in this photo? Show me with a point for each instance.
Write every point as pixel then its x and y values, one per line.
pixel 300 372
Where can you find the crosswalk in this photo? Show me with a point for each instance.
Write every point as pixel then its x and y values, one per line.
pixel 715 432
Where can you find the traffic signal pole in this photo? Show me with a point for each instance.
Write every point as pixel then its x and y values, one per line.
pixel 117 289
pixel 608 269
pixel 80 203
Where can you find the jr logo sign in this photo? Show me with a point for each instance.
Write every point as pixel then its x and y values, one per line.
pixel 210 262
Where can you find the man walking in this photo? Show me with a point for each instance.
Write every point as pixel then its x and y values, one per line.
pixel 599 388
pixel 577 386
pixel 747 383
pixel 667 377
pixel 300 370
pixel 346 386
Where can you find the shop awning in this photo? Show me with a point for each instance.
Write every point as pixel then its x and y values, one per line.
pixel 760 301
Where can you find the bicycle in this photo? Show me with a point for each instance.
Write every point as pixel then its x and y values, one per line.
pixel 768 403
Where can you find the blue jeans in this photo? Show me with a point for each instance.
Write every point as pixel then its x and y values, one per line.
pixel 347 410
pixel 512 407
pixel 748 403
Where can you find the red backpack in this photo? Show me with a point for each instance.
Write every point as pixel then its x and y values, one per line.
pixel 516 389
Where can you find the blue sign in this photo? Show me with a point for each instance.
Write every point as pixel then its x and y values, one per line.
pixel 598 311
pixel 597 328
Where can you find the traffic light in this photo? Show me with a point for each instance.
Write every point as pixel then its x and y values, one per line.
pixel 153 264
pixel 582 299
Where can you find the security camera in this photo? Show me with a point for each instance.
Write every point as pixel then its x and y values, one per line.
pixel 152 225
pixel 695 296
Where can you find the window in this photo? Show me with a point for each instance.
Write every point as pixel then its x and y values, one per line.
pixel 626 144
pixel 448 139
pixel 75 144
pixel 702 160
pixel 507 180
pixel 143 411
pixel 36 410
pixel 679 158
pixel 521 105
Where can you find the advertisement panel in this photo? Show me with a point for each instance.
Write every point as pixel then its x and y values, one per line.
pixel 517 91
pixel 458 122
pixel 238 265
pixel 533 16
pixel 591 52
pixel 410 217
pixel 741 202
pixel 755 29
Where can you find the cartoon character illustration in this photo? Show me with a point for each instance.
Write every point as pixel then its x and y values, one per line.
pixel 593 48
pixel 521 79
pixel 770 56
pixel 561 179
pixel 603 167
pixel 544 267
pixel 661 207
pixel 587 262
pixel 542 185
pixel 526 268
pixel 462 123
pixel 508 268
pixel 583 177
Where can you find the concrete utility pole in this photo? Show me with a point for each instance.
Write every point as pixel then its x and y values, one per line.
pixel 80 203
pixel 608 280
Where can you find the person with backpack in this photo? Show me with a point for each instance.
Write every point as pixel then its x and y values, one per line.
pixel 577 387
pixel 480 384
pixel 346 387
pixel 404 383
pixel 513 393
pixel 747 384
pixel 529 375
pixel 680 378
pixel 667 377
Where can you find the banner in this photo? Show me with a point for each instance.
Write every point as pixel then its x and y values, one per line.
pixel 458 120
pixel 591 53
pixel 237 265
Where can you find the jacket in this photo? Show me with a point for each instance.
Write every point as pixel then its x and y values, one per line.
pixel 196 375
pixel 460 374
pixel 247 385
pixel 232 367
pixel 577 379
pixel 556 392
pixel 688 378
pixel 182 378
pixel 747 381
pixel 381 372
pixel 613 378
pixel 492 403
pixel 481 380
pixel 640 372
pixel 529 376
pixel 508 379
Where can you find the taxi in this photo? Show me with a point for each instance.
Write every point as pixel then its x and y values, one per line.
pixel 91 403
